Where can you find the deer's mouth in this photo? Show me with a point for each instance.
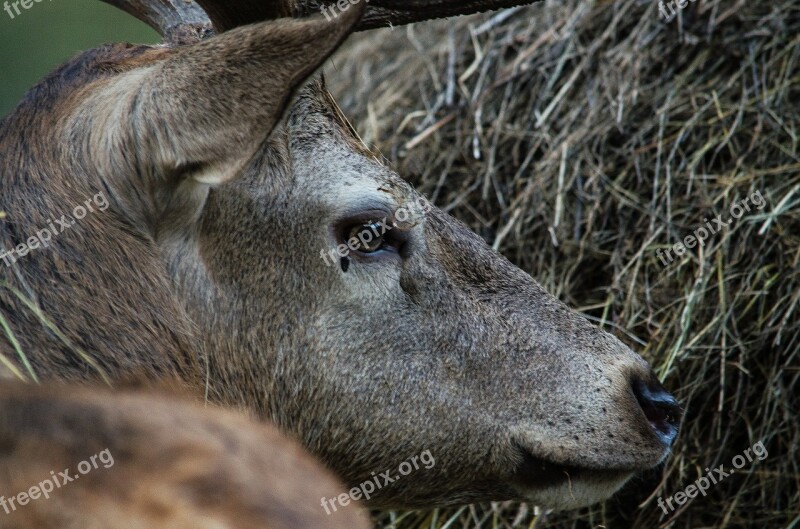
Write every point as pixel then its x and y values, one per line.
pixel 566 486
pixel 538 473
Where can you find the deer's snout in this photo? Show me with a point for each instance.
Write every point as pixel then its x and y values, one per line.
pixel 661 409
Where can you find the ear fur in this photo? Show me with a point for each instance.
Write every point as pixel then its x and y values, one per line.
pixel 207 107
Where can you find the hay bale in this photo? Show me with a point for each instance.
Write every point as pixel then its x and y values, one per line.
pixel 580 139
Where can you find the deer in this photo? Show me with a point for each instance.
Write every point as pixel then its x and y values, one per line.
pixel 227 169
pixel 139 457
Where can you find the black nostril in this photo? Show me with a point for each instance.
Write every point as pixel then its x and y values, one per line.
pixel 660 408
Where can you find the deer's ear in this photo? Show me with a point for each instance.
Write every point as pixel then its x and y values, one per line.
pixel 210 105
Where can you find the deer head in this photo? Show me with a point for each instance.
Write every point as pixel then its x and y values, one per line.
pixel 234 254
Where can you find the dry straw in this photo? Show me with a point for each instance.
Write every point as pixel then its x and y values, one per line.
pixel 579 138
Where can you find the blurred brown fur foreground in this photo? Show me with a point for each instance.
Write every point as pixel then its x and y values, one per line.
pixel 81 458
pixel 581 139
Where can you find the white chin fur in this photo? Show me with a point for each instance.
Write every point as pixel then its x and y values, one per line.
pixel 575 494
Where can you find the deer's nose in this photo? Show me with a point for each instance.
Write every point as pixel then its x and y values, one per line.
pixel 661 409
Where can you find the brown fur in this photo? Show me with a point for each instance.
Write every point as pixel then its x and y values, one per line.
pixel 207 265
pixel 167 463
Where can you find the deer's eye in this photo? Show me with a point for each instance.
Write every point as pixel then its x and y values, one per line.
pixel 367 238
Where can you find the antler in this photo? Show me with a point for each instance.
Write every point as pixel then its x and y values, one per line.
pixel 180 21
pixel 382 13
pixel 229 14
